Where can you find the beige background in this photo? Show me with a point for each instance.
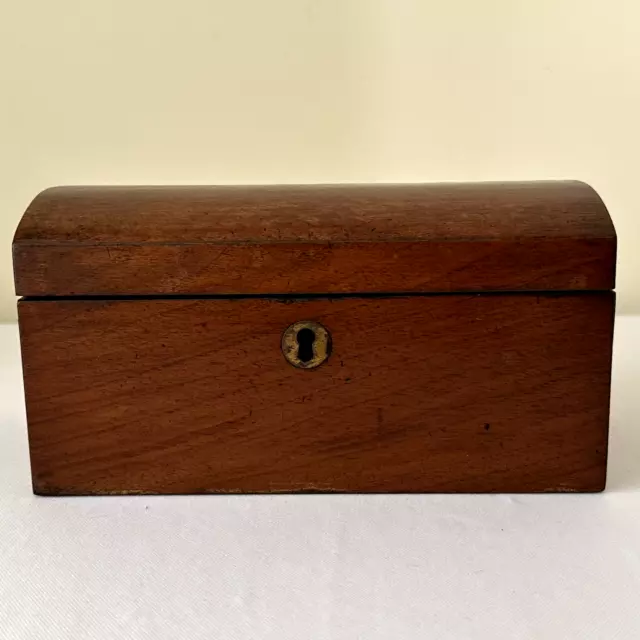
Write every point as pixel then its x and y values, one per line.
pixel 274 91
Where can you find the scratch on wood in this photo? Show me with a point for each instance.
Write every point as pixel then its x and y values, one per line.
pixel 301 487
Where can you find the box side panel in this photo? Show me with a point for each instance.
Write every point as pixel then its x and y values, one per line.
pixel 421 267
pixel 467 393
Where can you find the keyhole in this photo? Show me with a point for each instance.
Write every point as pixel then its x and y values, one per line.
pixel 306 337
pixel 306 344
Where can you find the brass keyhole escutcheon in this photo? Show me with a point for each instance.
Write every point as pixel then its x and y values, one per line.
pixel 306 344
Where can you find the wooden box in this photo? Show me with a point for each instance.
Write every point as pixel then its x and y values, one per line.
pixel 462 335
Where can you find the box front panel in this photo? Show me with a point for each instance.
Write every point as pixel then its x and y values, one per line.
pixel 422 393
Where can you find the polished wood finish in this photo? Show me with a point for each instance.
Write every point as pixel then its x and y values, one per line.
pixel 152 338
pixel 79 241
pixel 470 393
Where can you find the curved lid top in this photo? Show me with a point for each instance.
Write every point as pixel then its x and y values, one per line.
pixel 79 241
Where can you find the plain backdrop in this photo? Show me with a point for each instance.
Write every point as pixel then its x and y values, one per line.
pixel 286 91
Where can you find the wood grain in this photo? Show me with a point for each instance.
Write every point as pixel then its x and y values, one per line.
pixel 533 236
pixel 467 393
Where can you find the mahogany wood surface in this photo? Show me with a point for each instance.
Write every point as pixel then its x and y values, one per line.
pixel 536 236
pixel 463 393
